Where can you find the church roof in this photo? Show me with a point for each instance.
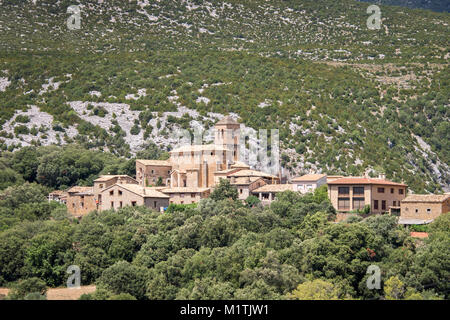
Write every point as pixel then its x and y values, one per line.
pixel 227 120
pixel 199 148
pixel 252 173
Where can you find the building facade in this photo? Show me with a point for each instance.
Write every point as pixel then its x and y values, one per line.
pixel 354 193
pixel 309 182
pixel 267 193
pixel 121 195
pixel 80 201
pixel 153 172
pixel 423 208
pixel 186 195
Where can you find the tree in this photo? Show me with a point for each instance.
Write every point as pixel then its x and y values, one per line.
pixel 321 194
pixel 317 289
pixel 224 191
pixel 394 288
pixel 27 286
pixel 26 161
pixel 252 201
pixel 123 277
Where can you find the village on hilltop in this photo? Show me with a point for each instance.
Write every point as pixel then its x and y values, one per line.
pixel 192 172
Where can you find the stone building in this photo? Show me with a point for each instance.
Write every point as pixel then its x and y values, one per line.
pixel 80 201
pixel 186 195
pixel 246 185
pixel 153 172
pixel 268 192
pixel 58 195
pixel 121 195
pixel 352 193
pixel 190 174
pixel 309 182
pixel 423 208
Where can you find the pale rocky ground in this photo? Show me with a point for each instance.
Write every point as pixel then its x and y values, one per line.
pixel 4 83
pixel 38 119
pixel 125 118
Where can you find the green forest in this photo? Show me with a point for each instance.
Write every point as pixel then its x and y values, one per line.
pixel 220 248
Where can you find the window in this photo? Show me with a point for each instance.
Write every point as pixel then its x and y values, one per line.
pixel 181 195
pixel 111 193
pixel 358 203
pixel 112 204
pixel 383 204
pixel 343 190
pixel 358 190
pixel 73 205
pixel 120 192
pixel 380 190
pixel 417 210
pixel 101 185
pixel 133 203
pixel 400 191
pixel 168 171
pixel 240 191
pixel 192 195
pixel 394 203
pixel 344 204
pixel 392 190
pixel 82 204
pixel 428 210
pixel 120 204
pixel 153 171
pixel 375 204
pixel 154 204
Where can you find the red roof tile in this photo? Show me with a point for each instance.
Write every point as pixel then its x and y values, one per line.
pixel 361 180
pixel 419 235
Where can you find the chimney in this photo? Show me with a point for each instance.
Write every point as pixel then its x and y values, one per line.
pixel 382 176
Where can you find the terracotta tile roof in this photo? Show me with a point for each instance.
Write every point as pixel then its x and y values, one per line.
pixel 164 163
pixel 226 171
pixel 227 120
pixel 199 147
pixel 184 190
pixel 252 173
pixel 421 235
pixel 362 180
pixel 426 198
pixel 309 177
pixel 275 188
pixel 57 192
pixel 80 189
pixel 147 192
pixel 107 177
pixel 239 164
pixel 245 180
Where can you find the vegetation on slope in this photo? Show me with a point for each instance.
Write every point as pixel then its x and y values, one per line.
pixel 223 249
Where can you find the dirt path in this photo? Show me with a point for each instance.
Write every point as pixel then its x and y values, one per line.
pixel 61 293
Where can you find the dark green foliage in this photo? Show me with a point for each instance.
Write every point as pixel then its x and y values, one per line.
pixel 123 277
pixel 224 191
pixel 28 289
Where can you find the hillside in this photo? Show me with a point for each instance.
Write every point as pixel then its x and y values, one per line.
pixel 435 5
pixel 347 100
